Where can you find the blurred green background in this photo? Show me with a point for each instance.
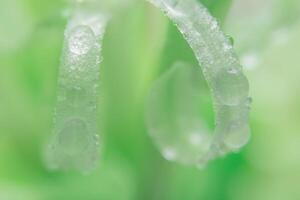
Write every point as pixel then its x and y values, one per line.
pixel 139 46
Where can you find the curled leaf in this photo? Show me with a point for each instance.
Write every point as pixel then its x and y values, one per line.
pixel 223 72
pixel 75 141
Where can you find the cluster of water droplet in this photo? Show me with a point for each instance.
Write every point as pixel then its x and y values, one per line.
pixel 223 72
pixel 75 141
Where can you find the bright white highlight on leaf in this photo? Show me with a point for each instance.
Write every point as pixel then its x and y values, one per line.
pixel 75 141
pixel 228 84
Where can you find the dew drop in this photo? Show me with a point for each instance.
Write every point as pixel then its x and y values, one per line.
pixel 81 40
pixel 233 126
pixel 76 96
pixel 73 138
pixel 227 47
pixel 230 39
pixel 249 102
pixel 214 25
pixel 237 136
pixel 233 70
pixel 171 10
pixel 231 87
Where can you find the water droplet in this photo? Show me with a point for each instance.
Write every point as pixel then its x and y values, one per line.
pixel 227 47
pixel 237 136
pixel 231 88
pixel 76 96
pixel 81 40
pixel 214 24
pixel 233 70
pixel 233 125
pixel 171 10
pixel 249 102
pixel 230 40
pixel 73 138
